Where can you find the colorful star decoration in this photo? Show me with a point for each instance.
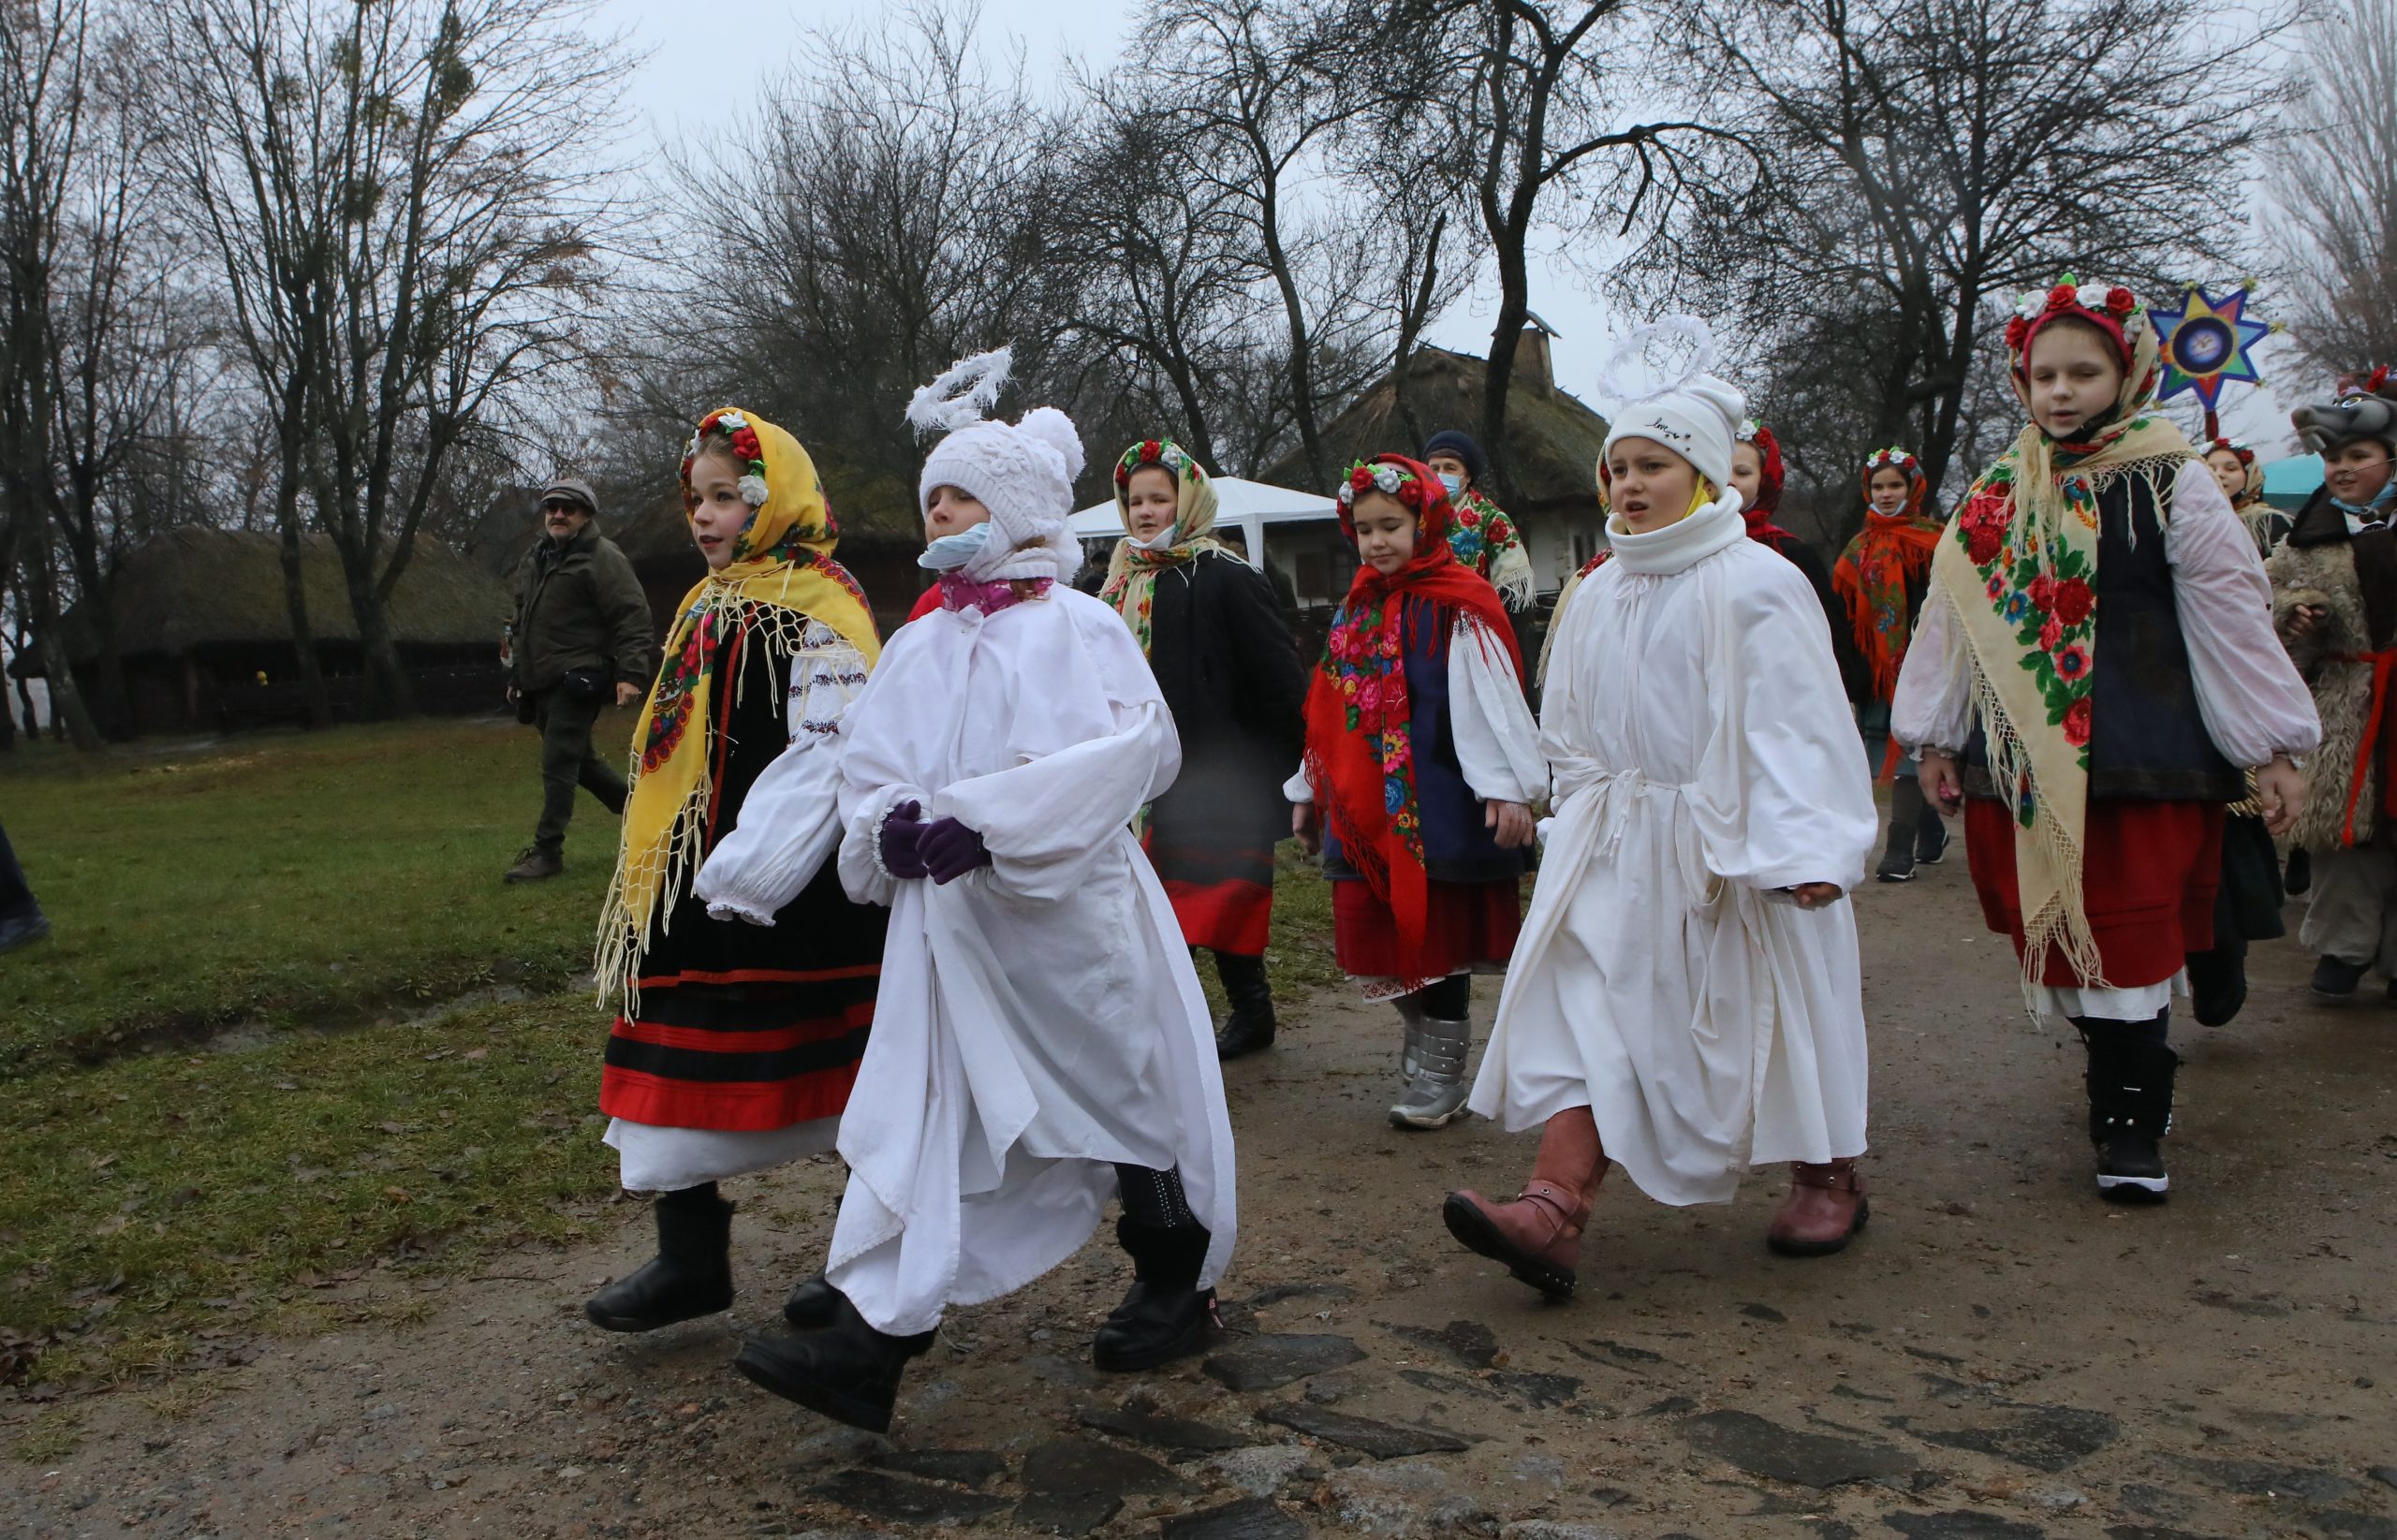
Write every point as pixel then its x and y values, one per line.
pixel 2206 341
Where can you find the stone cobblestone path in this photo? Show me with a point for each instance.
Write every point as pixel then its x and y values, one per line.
pixel 2000 1357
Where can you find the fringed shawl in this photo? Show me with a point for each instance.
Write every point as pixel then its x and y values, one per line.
pixel 2020 563
pixel 782 575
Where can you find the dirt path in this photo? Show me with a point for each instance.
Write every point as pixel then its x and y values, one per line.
pixel 2002 1356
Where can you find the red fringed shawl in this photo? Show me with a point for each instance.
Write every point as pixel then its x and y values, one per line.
pixel 1361 754
pixel 1888 556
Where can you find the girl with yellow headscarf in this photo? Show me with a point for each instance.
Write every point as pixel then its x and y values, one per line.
pixel 746 978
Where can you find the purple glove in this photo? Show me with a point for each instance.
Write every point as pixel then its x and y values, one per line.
pixel 900 838
pixel 949 850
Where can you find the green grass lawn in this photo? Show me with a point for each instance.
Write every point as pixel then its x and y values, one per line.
pixel 286 877
pixel 185 1149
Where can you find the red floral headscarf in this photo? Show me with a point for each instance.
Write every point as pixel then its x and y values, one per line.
pixel 1360 749
pixel 1770 479
pixel 1877 571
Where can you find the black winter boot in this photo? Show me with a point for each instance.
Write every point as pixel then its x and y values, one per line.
pixel 846 1368
pixel 1250 1026
pixel 691 1275
pixel 2130 1110
pixel 1905 813
pixel 812 1304
pixel 1166 1314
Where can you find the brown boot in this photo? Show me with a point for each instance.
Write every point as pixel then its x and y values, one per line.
pixel 1825 1208
pixel 535 865
pixel 1539 1234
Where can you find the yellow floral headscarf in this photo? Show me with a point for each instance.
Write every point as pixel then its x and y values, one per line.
pixel 1132 573
pixel 782 575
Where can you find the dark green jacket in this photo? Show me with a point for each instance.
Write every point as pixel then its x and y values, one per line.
pixel 578 606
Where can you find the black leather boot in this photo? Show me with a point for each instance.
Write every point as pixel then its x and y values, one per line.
pixel 1250 1026
pixel 1166 1314
pixel 2130 1110
pixel 845 1369
pixel 812 1304
pixel 691 1275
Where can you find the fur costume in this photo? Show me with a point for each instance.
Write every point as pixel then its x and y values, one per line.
pixel 2323 575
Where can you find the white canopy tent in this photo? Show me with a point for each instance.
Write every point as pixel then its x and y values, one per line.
pixel 1248 506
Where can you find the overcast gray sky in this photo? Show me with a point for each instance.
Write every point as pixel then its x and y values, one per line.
pixel 705 62
pixel 693 82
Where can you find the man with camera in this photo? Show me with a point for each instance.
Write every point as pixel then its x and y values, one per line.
pixel 580 637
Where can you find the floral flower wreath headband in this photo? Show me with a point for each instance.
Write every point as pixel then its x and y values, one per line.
pixel 736 430
pixel 1891 458
pixel 1161 452
pixel 2246 456
pixel 1390 480
pixel 2111 308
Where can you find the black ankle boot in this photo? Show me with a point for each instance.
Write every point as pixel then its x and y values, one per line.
pixel 844 1368
pixel 691 1275
pixel 2130 1110
pixel 812 1304
pixel 1166 1314
pixel 1250 1026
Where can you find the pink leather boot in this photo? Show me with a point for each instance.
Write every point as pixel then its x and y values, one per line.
pixel 1539 1234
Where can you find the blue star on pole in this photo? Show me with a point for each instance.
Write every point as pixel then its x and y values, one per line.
pixel 2207 341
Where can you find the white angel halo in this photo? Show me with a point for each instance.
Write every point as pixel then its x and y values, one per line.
pixel 964 395
pixel 1654 361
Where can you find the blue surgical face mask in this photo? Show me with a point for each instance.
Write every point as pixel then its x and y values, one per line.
pixel 951 552
pixel 1454 483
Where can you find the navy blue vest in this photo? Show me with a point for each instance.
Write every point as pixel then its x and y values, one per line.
pixel 1457 844
pixel 2148 740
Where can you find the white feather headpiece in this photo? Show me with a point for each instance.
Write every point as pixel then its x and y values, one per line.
pixel 964 396
pixel 1654 361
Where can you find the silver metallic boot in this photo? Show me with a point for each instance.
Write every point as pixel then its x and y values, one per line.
pixel 1437 1095
pixel 1410 1054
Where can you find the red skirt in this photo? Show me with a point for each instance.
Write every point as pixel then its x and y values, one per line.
pixel 2149 875
pixel 1467 924
pixel 1218 876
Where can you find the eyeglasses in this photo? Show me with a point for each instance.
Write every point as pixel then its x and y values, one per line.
pixel 559 505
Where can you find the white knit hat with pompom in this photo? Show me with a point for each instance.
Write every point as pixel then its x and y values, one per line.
pixel 1024 472
pixel 1657 386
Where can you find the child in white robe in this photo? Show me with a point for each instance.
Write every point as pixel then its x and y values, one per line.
pixel 1041 1043
pixel 1685 999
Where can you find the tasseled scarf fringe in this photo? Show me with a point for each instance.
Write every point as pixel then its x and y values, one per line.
pixel 1511 576
pixel 2062 920
pixel 665 871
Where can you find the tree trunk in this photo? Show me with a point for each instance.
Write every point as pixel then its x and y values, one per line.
pixel 387 693
pixel 295 602
pixel 67 706
pixel 1415 312
pixel 1514 307
pixel 22 646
